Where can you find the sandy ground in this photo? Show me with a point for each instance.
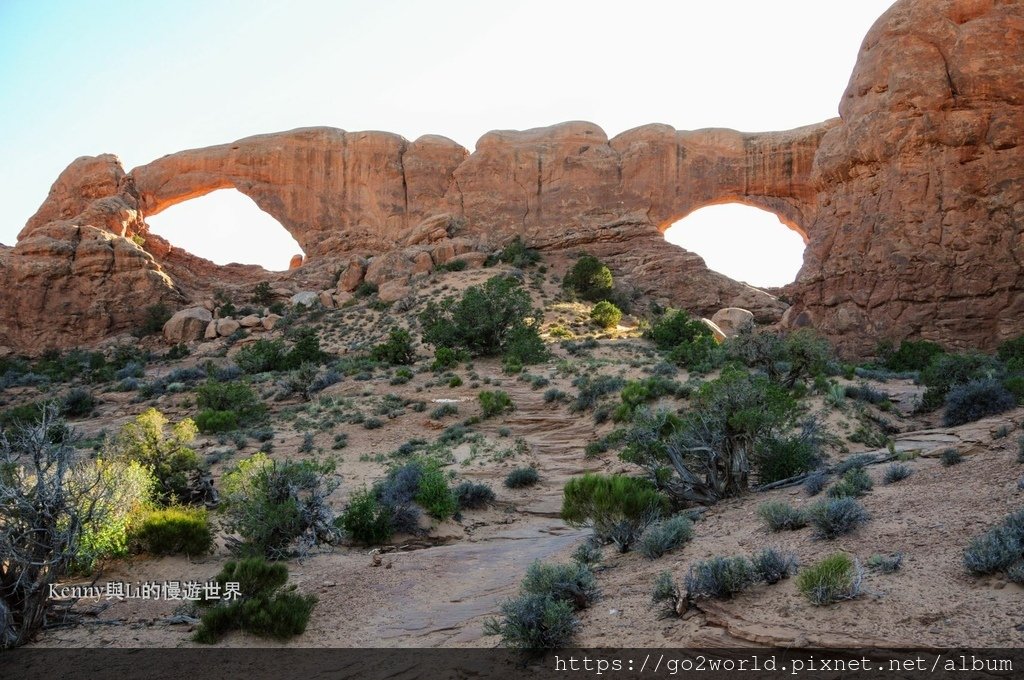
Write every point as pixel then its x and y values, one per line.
pixel 438 591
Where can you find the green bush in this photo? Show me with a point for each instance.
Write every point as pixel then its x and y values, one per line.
pixel 78 403
pixel 589 279
pixel 779 458
pixel 271 355
pixel 396 350
pixel 837 577
pixel 606 315
pixel 366 520
pixel 835 517
pixel 720 577
pixel 976 400
pixel 212 422
pixel 447 357
pixel 456 265
pixel 666 594
pixel 522 477
pixel 710 444
pixel 148 441
pixel 676 327
pixel 279 508
pixel 912 355
pixel 433 494
pixel 234 397
pixel 495 403
pixel 781 516
pixel 518 255
pixel 619 508
pixel 947 371
pixel 786 361
pixel 114 515
pixel 488 320
pixel 701 355
pixel 664 536
pixel 265 607
pixel 262 293
pixel 853 484
pixel 172 531
pixel 154 318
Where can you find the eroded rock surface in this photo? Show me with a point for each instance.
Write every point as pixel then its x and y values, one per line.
pixel 910 202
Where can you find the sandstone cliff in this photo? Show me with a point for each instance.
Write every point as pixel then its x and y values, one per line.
pixel 910 202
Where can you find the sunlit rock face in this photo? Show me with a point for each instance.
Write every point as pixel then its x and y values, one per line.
pixel 909 202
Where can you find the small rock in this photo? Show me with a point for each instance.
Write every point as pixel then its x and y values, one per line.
pixel 270 320
pixel 226 327
pixel 250 321
pixel 306 297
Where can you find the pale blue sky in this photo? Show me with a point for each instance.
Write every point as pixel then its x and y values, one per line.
pixel 141 79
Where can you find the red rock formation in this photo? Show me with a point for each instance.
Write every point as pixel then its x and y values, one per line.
pixel 910 202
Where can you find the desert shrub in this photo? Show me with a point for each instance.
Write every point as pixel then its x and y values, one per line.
pixel 866 393
pixel 447 357
pixel 896 472
pixel 58 508
pixel 154 318
pixel 532 623
pixel 835 517
pixel 262 293
pixel 366 520
pixel 781 516
pixel 975 400
pixel 166 451
pixel 473 495
pixel 784 360
pixel 518 255
pixel 443 411
pixel 772 566
pixel 495 403
pixel 522 477
pixel 885 564
pixel 950 457
pixel 573 583
pixel 618 507
pixel 912 355
pixel 701 355
pixel 837 577
pixel 433 494
pixel 171 531
pixel 782 457
pixel 554 394
pixel 588 552
pixel 666 595
pixel 589 279
pixel 78 403
pixel 855 461
pixel 664 536
pixel 279 508
pixel 676 327
pixel 946 371
pixel 234 397
pixel 262 356
pixel 494 318
pixel 592 389
pixel 720 577
pixel 606 315
pixel 815 482
pixel 132 486
pixel 854 484
pixel 998 548
pixel 396 350
pixel 265 606
pixel 704 455
pixel 212 422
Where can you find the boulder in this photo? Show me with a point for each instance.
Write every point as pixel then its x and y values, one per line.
pixel 270 320
pixel 326 299
pixel 250 321
pixel 226 327
pixel 731 319
pixel 295 262
pixel 187 325
pixel 306 297
pixel 211 330
pixel 715 330
pixel 352 276
pixel 393 291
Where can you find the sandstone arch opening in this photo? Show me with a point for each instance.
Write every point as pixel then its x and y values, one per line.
pixel 744 243
pixel 225 227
